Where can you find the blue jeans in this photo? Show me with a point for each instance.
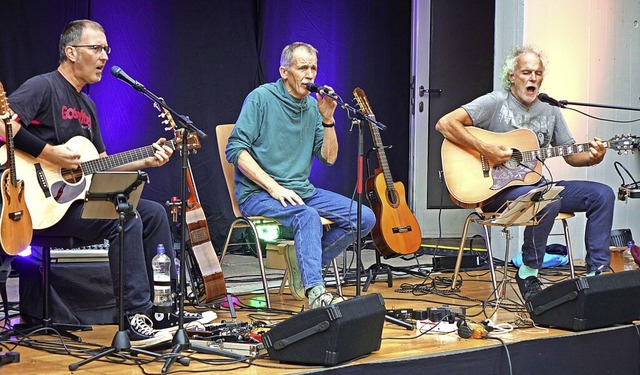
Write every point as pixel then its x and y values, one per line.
pixel 315 246
pixel 593 198
pixel 142 234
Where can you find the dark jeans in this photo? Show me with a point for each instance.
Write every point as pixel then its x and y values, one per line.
pixel 593 198
pixel 142 234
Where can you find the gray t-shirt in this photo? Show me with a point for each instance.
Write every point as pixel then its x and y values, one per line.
pixel 500 112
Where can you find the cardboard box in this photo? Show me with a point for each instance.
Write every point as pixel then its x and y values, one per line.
pixel 275 254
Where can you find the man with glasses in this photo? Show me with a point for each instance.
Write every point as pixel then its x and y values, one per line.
pixel 51 109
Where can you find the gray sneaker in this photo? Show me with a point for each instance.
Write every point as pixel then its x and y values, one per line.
pixel 295 279
pixel 319 297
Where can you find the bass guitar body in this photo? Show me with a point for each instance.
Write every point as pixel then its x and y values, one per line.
pixel 16 228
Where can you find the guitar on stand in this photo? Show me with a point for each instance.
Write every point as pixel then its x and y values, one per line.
pixel 396 231
pixel 16 227
pixel 204 263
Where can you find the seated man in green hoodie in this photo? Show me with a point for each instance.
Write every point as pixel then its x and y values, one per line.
pixel 279 131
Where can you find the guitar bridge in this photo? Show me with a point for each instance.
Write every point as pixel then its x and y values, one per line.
pixel 16 215
pixel 42 180
pixel 485 166
pixel 404 229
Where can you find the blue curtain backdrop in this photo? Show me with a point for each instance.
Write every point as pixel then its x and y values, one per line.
pixel 204 57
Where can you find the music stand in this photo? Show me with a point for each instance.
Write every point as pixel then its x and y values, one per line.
pixel 521 211
pixel 119 190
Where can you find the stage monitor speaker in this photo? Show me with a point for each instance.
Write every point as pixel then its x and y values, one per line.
pixel 588 302
pixel 329 335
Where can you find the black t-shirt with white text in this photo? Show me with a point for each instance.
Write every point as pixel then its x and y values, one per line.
pixel 49 107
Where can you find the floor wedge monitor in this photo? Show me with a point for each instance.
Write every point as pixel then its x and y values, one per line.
pixel 329 335
pixel 588 302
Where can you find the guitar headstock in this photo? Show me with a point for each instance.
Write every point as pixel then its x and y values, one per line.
pixel 363 102
pixel 193 142
pixel 624 143
pixel 4 106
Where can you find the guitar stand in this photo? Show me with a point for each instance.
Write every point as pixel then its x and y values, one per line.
pixel 378 268
pixel 124 209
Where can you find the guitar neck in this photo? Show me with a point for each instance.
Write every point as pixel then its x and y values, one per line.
pixel 122 158
pixel 10 153
pixel 549 152
pixel 382 156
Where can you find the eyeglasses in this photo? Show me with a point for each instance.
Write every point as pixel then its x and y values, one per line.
pixel 95 48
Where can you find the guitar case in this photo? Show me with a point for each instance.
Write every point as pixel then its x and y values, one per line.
pixel 588 302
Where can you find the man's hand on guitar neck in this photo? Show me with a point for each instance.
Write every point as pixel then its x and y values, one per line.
pixel 596 153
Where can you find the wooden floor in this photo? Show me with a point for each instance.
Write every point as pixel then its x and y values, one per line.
pixel 398 343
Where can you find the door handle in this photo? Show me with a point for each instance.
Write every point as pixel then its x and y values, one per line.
pixel 422 90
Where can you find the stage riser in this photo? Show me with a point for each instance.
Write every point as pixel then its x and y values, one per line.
pixel 613 350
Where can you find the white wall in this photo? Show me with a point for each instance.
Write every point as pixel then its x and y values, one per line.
pixel 594 51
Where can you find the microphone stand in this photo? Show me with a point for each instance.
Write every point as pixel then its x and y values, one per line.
pixel 565 103
pixel 357 117
pixel 180 340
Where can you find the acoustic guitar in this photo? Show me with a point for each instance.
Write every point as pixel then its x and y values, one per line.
pixel 15 224
pixel 397 231
pixel 472 182
pixel 50 190
pixel 209 277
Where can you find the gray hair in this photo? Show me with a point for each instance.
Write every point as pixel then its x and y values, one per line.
pixel 287 53
pixel 72 33
pixel 509 65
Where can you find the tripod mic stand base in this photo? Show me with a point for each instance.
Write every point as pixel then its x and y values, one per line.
pixel 120 343
pixel 181 343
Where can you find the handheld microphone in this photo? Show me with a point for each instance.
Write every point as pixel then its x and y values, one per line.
pixel 320 89
pixel 117 72
pixel 551 101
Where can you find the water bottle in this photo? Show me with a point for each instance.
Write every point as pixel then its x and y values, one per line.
pixel 629 262
pixel 162 298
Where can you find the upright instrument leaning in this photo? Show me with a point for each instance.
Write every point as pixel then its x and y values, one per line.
pixel 202 251
pixel 16 228
pixel 397 231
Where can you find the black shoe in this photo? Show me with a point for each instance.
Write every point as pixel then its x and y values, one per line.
pixel 169 322
pixel 529 287
pixel 141 332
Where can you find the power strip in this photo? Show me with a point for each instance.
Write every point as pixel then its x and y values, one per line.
pixel 423 326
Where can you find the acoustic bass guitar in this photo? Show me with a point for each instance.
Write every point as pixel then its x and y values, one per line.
pixel 397 231
pixel 15 224
pixel 472 182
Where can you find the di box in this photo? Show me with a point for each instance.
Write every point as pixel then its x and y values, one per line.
pixel 329 335
pixel 588 302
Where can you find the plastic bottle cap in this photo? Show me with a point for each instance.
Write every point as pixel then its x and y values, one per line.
pixel 160 249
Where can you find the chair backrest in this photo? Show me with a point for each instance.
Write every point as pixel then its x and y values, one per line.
pixel 222 134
